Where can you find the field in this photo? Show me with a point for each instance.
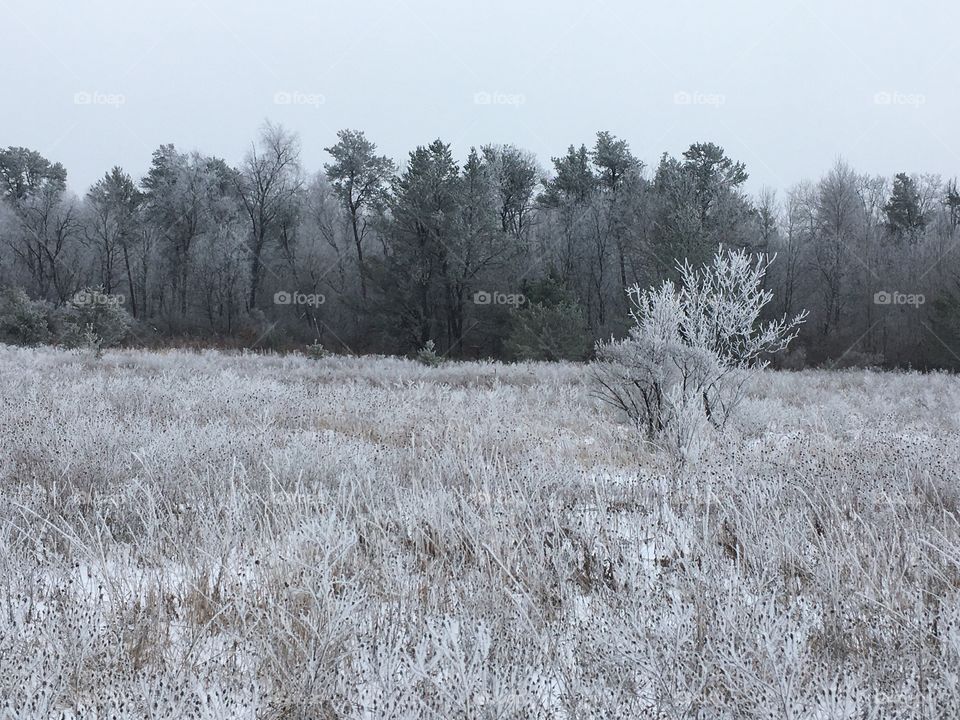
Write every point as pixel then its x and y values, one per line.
pixel 242 536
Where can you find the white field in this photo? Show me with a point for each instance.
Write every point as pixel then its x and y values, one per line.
pixel 216 536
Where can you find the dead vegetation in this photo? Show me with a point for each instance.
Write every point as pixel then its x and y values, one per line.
pixel 227 536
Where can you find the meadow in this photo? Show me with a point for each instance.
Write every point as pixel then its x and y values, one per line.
pixel 210 535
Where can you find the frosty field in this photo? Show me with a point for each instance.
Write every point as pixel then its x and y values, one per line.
pixel 241 536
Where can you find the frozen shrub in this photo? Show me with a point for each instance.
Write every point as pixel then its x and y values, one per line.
pixel 317 351
pixel 23 321
pixel 92 342
pixel 92 320
pixel 427 355
pixel 692 348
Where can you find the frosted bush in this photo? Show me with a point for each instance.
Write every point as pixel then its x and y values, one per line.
pixel 427 355
pixel 23 321
pixel 317 351
pixel 692 349
pixel 92 321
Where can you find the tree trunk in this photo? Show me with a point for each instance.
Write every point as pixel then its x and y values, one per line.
pixel 133 297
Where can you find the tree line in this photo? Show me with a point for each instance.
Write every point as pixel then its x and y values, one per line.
pixel 493 255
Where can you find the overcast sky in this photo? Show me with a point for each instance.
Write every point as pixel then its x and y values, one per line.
pixel 787 87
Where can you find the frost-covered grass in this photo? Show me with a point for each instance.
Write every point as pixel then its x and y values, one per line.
pixel 205 535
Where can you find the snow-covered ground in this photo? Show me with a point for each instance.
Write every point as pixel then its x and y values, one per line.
pixel 241 536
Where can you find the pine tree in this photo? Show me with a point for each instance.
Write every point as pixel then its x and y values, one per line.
pixel 904 218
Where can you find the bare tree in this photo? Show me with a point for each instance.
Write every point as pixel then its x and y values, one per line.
pixel 836 214
pixel 268 185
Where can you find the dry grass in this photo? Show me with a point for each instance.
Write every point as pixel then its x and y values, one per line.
pixel 214 536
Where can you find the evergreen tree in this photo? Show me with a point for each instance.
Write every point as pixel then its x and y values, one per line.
pixel 904 218
pixel 360 179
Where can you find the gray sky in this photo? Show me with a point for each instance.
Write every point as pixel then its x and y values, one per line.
pixel 785 87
